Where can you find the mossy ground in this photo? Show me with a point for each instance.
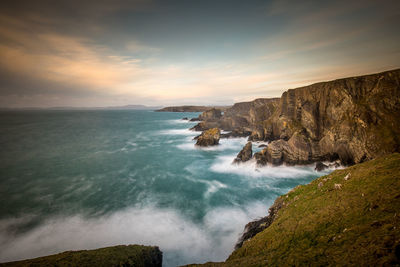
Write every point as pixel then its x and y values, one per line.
pixel 132 255
pixel 355 223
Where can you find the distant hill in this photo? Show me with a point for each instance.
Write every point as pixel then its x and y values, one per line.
pixel 133 107
pixel 190 108
pixel 140 107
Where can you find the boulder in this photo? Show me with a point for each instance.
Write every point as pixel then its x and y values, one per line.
pixel 261 157
pixel 245 154
pixel 209 137
pixel 185 119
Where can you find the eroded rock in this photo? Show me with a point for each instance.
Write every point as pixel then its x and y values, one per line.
pixel 320 166
pixel 209 137
pixel 245 154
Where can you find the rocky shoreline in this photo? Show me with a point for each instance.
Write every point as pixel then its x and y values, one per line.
pixel 347 121
pixel 351 120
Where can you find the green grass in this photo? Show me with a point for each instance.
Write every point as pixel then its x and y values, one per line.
pixel 357 225
pixel 132 255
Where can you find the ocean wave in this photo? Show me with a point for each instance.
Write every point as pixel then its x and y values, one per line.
pixel 224 144
pixel 180 121
pixel 178 132
pixel 212 185
pixel 181 240
pixel 223 164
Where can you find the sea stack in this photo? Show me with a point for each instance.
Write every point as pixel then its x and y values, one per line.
pixel 245 154
pixel 209 137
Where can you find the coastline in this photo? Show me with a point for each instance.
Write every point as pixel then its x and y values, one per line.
pixel 303 140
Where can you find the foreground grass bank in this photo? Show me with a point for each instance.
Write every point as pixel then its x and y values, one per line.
pixel 132 255
pixel 350 217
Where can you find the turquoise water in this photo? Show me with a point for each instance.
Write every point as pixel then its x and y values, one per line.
pixel 89 179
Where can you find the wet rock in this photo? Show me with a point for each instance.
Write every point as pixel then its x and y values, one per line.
pixel 253 228
pixel 209 137
pixel 353 119
pixel 320 166
pixel 205 125
pixel 261 157
pixel 185 118
pixel 245 154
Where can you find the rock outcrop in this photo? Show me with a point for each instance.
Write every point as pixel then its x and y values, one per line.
pixel 131 255
pixel 242 119
pixel 254 227
pixel 245 154
pixel 209 137
pixel 335 220
pixel 353 119
pixel 211 114
pixel 320 166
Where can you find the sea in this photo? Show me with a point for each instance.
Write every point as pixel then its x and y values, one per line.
pixel 85 179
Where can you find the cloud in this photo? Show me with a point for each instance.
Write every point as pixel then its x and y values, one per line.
pixel 108 54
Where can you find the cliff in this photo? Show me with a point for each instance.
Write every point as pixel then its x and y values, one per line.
pixel 131 255
pixel 242 118
pixel 350 217
pixel 351 119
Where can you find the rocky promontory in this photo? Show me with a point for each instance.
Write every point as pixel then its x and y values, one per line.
pixel 131 255
pixel 245 154
pixel 347 218
pixel 352 119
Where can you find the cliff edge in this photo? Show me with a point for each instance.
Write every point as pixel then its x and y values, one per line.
pixel 131 255
pixel 350 217
pixel 352 119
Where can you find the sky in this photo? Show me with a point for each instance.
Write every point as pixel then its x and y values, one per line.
pixel 160 52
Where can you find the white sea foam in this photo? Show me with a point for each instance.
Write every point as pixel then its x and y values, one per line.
pixel 178 132
pixel 223 164
pixel 180 122
pixel 256 145
pixel 181 240
pixel 212 186
pixel 224 144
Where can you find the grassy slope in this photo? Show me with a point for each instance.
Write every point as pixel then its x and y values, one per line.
pixel 358 224
pixel 132 255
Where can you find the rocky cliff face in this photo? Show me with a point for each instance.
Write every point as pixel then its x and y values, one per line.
pixel 352 119
pixel 245 154
pixel 242 118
